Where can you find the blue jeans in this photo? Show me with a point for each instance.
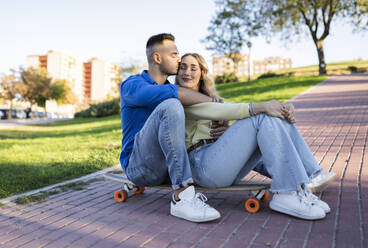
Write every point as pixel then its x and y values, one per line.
pixel 269 145
pixel 159 154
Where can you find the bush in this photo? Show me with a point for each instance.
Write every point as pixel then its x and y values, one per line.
pixel 102 109
pixel 268 75
pixel 226 78
pixel 353 69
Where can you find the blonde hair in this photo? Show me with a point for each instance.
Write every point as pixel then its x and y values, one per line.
pixel 206 84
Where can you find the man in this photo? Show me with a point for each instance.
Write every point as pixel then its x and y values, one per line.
pixel 153 123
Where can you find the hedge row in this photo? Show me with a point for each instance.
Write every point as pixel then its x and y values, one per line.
pixel 102 109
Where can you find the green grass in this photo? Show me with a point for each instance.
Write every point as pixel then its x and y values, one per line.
pixel 32 157
pixel 278 88
pixel 332 68
pixel 35 156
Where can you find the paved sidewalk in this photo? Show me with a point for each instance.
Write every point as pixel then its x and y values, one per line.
pixel 333 118
pixel 5 124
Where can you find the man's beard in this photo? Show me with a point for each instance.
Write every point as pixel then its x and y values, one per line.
pixel 166 71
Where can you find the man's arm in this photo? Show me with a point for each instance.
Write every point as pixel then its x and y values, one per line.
pixel 189 97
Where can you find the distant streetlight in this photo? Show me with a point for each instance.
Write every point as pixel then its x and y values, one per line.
pixel 249 45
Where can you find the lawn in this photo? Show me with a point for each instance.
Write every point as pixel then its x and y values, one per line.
pixel 278 88
pixel 332 68
pixel 35 156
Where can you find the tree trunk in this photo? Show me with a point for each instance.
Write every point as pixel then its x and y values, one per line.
pixel 10 110
pixel 321 57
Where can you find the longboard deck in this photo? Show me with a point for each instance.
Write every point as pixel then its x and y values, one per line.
pixel 242 185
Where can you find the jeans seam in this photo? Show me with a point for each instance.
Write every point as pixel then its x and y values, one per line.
pixel 168 140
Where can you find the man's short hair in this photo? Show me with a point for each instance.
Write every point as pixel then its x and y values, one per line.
pixel 156 39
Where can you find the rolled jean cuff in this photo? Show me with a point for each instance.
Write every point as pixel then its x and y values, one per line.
pixel 183 184
pixel 316 173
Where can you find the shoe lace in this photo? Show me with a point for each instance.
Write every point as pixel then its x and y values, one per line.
pixel 305 198
pixel 200 200
pixel 308 193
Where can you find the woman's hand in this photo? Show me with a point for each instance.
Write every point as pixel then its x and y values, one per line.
pixel 218 128
pixel 274 108
pixel 289 112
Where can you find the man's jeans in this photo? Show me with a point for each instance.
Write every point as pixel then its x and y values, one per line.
pixel 269 145
pixel 159 154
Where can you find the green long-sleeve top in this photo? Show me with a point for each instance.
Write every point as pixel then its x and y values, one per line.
pixel 198 118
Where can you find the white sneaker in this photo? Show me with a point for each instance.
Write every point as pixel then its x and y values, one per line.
pixel 315 200
pixel 296 204
pixel 320 182
pixel 192 207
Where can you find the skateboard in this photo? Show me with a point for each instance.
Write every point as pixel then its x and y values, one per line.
pixel 252 205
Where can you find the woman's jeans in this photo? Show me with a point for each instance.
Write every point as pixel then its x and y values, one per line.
pixel 159 154
pixel 269 145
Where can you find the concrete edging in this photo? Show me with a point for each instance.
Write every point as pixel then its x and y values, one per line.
pixel 307 90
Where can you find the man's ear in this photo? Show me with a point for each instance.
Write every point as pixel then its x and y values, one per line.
pixel 157 58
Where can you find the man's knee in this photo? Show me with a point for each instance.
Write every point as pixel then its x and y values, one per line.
pixel 173 106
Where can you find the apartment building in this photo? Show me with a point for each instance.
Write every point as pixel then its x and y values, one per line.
pixel 100 79
pixel 224 64
pixel 91 81
pixel 61 66
pixel 271 64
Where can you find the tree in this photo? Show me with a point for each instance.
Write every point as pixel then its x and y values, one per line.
pixel 11 88
pixel 38 86
pixel 290 18
pixel 62 93
pixel 231 28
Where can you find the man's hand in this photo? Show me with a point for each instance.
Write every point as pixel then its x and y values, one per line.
pixel 289 112
pixel 218 128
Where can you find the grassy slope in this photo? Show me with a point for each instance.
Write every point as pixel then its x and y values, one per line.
pixel 332 68
pixel 35 156
pixel 278 88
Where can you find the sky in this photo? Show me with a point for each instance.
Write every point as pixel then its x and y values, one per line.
pixel 117 31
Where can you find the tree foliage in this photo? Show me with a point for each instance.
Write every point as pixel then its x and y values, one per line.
pixel 40 87
pixel 232 27
pixel 238 20
pixel 62 93
pixel 11 88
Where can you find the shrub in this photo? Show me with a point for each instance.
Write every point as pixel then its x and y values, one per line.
pixel 268 75
pixel 226 78
pixel 353 69
pixel 101 109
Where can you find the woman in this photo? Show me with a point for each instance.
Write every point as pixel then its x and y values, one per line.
pixel 263 138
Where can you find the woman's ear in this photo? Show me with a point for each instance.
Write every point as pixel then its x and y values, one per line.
pixel 157 58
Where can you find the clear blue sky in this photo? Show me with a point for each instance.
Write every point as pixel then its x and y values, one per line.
pixel 117 30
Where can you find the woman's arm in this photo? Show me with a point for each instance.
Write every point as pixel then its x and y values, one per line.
pixel 217 111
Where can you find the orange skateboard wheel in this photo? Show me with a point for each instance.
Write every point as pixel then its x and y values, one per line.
pixel 252 205
pixel 120 196
pixel 139 190
pixel 265 196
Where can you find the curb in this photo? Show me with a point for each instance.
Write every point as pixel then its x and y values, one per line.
pixel 47 188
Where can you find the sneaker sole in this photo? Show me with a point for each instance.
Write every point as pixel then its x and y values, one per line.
pixel 195 219
pixel 287 211
pixel 322 187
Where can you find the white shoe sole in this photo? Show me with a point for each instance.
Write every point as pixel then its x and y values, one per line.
pixel 321 187
pixel 294 213
pixel 210 218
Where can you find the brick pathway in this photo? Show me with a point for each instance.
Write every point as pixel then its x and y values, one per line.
pixel 332 117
